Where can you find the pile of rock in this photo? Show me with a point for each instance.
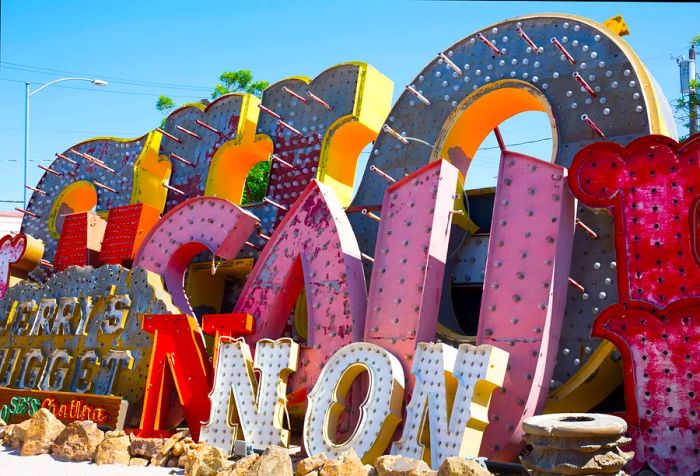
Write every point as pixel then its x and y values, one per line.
pixel 348 464
pixel 35 436
pixel 43 433
pixel 84 441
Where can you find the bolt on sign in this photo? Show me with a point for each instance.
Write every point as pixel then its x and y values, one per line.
pixel 335 286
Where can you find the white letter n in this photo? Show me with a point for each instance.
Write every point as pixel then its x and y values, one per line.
pixel 239 400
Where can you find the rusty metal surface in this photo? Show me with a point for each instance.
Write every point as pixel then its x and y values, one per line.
pixel 224 115
pixel 313 248
pixel 523 303
pixel 196 225
pixel 659 352
pixel 649 187
pixel 338 86
pixel 409 262
pixel 92 288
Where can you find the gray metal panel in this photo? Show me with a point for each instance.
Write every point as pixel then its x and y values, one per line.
pixel 618 109
pixel 471 260
pixel 593 266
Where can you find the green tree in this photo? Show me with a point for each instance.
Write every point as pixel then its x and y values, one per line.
pixel 240 81
pixel 164 105
pixel 256 183
pixel 686 108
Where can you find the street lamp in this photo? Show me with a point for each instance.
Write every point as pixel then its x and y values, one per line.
pixel 27 95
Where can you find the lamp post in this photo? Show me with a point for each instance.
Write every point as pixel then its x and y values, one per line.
pixel 27 95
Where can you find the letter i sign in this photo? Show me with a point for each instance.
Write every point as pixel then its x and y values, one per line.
pixel 11 252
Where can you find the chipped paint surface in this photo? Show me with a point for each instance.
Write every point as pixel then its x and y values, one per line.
pixel 11 251
pixel 522 307
pixel 409 261
pixel 325 137
pixel 659 350
pixel 650 188
pixel 313 248
pixel 211 148
pixel 196 225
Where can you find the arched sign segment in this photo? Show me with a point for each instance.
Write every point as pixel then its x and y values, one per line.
pixel 97 174
pixel 318 128
pixel 590 83
pixel 196 225
pixel 212 148
pixel 313 248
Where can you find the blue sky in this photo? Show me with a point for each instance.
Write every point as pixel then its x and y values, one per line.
pixel 184 45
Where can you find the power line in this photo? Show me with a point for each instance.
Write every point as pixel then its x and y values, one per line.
pixel 103 90
pixel 665 55
pixel 70 131
pixel 361 153
pixel 30 160
pixel 133 82
pixel 517 143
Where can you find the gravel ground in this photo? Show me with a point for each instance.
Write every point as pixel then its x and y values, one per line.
pixel 11 464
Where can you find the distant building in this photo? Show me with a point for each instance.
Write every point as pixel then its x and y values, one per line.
pixel 10 222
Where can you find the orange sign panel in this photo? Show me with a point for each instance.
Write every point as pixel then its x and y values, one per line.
pixel 105 410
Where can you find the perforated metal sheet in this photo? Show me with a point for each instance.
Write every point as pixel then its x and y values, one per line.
pixel 522 309
pixel 409 262
pixel 145 294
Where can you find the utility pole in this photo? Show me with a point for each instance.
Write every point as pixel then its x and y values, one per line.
pixel 28 94
pixel 689 89
pixel 692 91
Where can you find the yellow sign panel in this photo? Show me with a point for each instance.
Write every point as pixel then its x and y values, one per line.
pixel 81 331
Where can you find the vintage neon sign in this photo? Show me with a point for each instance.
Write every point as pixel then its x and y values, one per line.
pixel 241 405
pixel 18 255
pixel 179 362
pixel 244 407
pixel 105 410
pixel 76 409
pixel 313 128
pixel 19 407
pixel 469 375
pixel 79 331
pixel 651 189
